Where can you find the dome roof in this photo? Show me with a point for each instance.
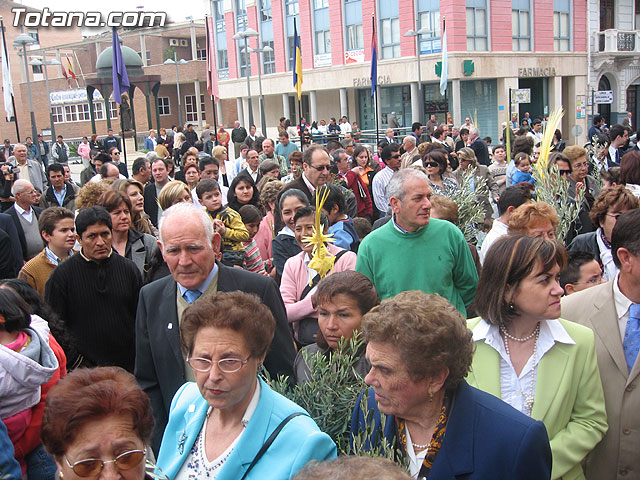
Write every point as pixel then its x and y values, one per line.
pixel 131 58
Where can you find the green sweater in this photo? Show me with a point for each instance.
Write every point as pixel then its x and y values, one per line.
pixel 435 259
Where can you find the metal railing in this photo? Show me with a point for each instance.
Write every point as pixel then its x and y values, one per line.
pixel 618 41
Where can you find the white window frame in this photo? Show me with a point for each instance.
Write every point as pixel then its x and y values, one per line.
pixel 164 108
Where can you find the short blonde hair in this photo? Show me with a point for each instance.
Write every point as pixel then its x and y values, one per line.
pixel 527 214
pixel 469 155
pixel 217 151
pixel 574 152
pixel 171 193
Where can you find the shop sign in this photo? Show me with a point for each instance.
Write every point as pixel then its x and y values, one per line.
pixel 322 60
pixel 603 97
pixel 521 95
pixel 537 72
pixel 366 81
pixel 354 56
pixel 77 95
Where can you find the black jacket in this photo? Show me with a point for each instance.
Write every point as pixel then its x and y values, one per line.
pixel 16 221
pixel 151 202
pixel 160 366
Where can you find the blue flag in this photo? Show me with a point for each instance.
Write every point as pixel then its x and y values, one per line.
pixel 374 59
pixel 120 78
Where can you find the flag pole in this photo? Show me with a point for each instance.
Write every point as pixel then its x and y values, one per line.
pixel 7 82
pixel 15 117
pixel 374 74
pixel 375 104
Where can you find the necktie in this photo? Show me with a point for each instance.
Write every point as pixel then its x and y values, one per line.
pixel 631 342
pixel 192 295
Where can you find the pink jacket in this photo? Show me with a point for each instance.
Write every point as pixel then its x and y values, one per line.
pixel 84 150
pixel 295 279
pixel 264 237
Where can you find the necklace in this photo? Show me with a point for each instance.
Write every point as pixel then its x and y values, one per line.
pixel 535 333
pixel 417 446
pixel 528 397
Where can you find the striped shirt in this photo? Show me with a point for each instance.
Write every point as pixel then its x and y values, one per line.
pixel 252 258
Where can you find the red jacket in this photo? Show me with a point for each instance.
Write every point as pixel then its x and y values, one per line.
pixel 361 191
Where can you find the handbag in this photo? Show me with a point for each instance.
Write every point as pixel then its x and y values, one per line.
pixel 269 441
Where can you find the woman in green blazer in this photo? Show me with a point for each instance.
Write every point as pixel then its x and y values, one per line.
pixel 543 366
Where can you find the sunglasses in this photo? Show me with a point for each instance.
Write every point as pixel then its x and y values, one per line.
pixel 395 156
pixel 93 466
pixel 320 168
pixel 116 153
pixel 565 172
pixel 432 164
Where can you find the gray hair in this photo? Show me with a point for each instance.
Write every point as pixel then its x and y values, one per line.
pixel 395 187
pixel 336 154
pixel 410 138
pixel 183 210
pixel 152 156
pixel 20 186
pixel 474 131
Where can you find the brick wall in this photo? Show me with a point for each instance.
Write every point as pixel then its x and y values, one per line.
pixel 455 13
pixel 580 25
pixel 337 32
pixel 543 25
pixel 407 22
pixel 501 28
pixel 279 37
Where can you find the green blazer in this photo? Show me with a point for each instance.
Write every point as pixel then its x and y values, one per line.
pixel 569 399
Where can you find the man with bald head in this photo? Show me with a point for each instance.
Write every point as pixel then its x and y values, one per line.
pixel 25 213
pixel 190 247
pixel 30 170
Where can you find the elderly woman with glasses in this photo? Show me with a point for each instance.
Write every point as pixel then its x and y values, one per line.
pixel 97 424
pixel 229 424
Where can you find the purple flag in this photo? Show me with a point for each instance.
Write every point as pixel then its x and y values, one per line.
pixel 120 79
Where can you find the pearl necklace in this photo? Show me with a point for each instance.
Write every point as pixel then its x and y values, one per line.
pixel 528 398
pixel 417 446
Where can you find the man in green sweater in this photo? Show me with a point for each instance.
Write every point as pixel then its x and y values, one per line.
pixel 414 252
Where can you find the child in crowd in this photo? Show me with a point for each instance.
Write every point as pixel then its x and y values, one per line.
pixel 344 233
pixel 251 217
pixel 523 167
pixel 226 221
pixel 26 363
pixel 362 227
pixel 582 271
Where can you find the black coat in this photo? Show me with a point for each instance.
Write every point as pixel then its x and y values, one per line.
pixel 16 221
pixel 7 226
pixel 160 366
pixel 479 147
pixel 151 202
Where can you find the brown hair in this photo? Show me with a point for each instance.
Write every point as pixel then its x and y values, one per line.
pixel 139 220
pixel 427 331
pixel 90 193
pixel 50 217
pixel 447 208
pixel 353 468
pixel 269 193
pixel 617 198
pixel 238 311
pixel 509 261
pixel 528 213
pixel 112 199
pixel 352 284
pixel 630 167
pixel 86 395
pixel 574 152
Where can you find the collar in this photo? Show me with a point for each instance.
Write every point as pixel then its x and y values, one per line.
pixel 89 260
pixel 287 231
pixel 204 285
pixel 52 257
pixel 311 188
pixel 551 331
pixel 21 210
pixel 622 303
pixel 399 228
pixel 61 192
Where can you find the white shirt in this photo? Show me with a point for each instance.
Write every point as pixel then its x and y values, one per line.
pixel 612 155
pixel 345 128
pixel 606 258
pixel 98 178
pixel 512 386
pixel 197 465
pixel 306 181
pixel 28 216
pixel 415 459
pixel 379 188
pixel 498 229
pixel 622 304
pixel 252 174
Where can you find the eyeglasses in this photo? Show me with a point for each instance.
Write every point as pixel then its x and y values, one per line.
pixel 320 168
pixel 565 172
pixel 115 153
pixel 593 281
pixel 90 467
pixel 614 215
pixel 395 156
pixel 226 365
pixel 431 164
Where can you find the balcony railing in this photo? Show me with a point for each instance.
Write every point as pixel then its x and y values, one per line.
pixel 618 41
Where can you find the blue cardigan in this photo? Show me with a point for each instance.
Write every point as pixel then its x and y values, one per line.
pixel 485 438
pixel 299 441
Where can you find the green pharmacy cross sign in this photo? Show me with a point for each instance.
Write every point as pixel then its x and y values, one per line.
pixel 468 68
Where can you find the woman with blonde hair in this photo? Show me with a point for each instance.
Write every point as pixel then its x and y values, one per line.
pixel 134 190
pixel 174 192
pixel 225 176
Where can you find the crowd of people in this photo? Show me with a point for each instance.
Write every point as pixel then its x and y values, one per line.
pixel 141 307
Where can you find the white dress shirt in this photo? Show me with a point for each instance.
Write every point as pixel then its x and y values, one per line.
pixel 379 189
pixel 498 229
pixel 622 304
pixel 28 216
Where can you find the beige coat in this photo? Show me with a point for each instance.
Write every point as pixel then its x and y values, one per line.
pixel 618 454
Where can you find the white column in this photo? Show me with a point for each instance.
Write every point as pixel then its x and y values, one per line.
pixel 285 107
pixel 313 106
pixel 240 110
pixel 245 109
pixel 344 103
pixel 457 105
pixel 555 93
pixel 194 48
pixel 504 84
pixel 219 114
pixel 415 103
pixel 196 90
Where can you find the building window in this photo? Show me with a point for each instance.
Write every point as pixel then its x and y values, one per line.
pixel 561 25
pixel 389 29
pixel 477 25
pixel 201 54
pixel 353 25
pixel 520 23
pixel 34 34
pixel 113 110
pixel 266 35
pixel 321 25
pixel 83 112
pixel 70 113
pixel 221 38
pixel 36 69
pixel 98 110
pixel 147 54
pixel 58 114
pixel 241 15
pixel 291 9
pixel 265 10
pixel 269 58
pixel 191 108
pixel 163 106
pixel 244 60
pixel 429 20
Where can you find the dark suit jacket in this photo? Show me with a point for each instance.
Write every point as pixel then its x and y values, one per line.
pixel 7 260
pixel 7 225
pixel 16 221
pixel 485 438
pixel 482 152
pixel 151 202
pixel 159 366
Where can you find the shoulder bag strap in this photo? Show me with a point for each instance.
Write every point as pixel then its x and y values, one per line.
pixel 269 441
pixel 315 280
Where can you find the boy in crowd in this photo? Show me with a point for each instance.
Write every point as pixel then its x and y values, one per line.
pixel 582 272
pixel 58 231
pixel 226 221
pixel 253 262
pixel 344 233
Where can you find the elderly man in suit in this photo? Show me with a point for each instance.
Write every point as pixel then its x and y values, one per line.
pixel 25 217
pixel 190 247
pixel 612 311
pixel 30 170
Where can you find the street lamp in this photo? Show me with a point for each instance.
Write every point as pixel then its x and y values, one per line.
pixel 244 35
pixel 176 62
pixel 261 51
pixel 44 63
pixel 418 34
pixel 23 40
